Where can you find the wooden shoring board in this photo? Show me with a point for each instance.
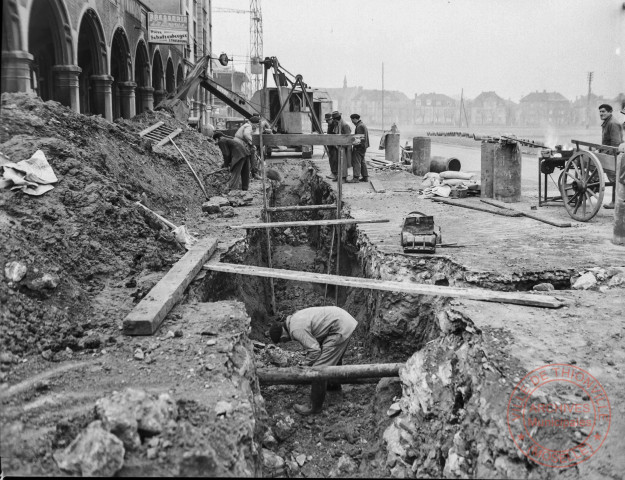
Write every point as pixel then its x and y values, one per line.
pixel 277 140
pixel 302 208
pixel 148 315
pixel 149 129
pixel 310 223
pixel 527 299
pixel 377 185
pixel 169 137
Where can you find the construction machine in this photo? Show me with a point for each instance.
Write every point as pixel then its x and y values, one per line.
pixel 290 107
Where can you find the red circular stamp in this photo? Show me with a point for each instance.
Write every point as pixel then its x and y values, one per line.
pixel 559 415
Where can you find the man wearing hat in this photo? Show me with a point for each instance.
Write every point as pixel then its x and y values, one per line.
pixel 342 128
pixel 333 154
pixel 324 332
pixel 244 133
pixel 358 151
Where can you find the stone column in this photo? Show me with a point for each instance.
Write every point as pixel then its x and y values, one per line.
pixel 66 85
pixel 391 150
pixel 146 98
pixel 421 148
pixel 16 67
pixel 158 96
pixel 103 95
pixel 127 99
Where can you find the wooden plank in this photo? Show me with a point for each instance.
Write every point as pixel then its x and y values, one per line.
pixel 310 223
pixel 148 315
pixel 377 185
pixel 534 300
pixel 169 137
pixel 303 375
pixel 289 139
pixel 529 215
pixel 302 208
pixel 606 148
pixel 149 129
pixel 505 213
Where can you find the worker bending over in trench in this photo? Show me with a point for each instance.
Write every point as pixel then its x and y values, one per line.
pixel 236 158
pixel 324 333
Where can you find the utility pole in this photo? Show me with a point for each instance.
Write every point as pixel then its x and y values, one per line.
pixel 231 84
pixel 382 96
pixel 590 75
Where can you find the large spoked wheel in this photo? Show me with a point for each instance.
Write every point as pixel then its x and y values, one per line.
pixel 582 186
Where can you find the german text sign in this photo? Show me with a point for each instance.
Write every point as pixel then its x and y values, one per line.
pixel 168 28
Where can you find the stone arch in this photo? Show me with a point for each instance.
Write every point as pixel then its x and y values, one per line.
pixel 121 71
pixel 92 60
pixel 50 44
pixel 157 77
pixel 144 96
pixel 179 75
pixel 170 79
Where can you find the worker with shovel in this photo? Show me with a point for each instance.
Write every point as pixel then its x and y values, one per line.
pixel 324 333
pixel 236 158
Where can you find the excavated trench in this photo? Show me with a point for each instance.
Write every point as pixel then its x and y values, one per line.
pixel 436 430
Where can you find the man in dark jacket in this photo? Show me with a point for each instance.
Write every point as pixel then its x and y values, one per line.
pixel 333 153
pixel 341 128
pixel 324 332
pixel 612 135
pixel 237 157
pixel 358 151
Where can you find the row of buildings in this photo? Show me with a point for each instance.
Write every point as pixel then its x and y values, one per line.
pixel 116 58
pixel 488 108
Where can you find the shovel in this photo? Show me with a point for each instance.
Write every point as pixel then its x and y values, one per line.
pixel 181 233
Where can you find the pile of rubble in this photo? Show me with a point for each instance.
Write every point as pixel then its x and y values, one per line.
pixel 69 253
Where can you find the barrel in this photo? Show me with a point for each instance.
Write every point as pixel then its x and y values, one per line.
pixel 421 155
pixel 507 173
pixel 487 165
pixel 441 164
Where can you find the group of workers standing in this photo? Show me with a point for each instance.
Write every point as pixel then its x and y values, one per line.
pixel 338 126
pixel 241 159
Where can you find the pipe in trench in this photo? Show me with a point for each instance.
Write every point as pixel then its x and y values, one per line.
pixel 370 373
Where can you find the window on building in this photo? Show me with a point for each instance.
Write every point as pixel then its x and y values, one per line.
pixel 144 19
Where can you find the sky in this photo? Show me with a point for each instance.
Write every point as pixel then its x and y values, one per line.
pixel 513 47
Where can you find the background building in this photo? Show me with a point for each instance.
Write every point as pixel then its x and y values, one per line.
pixel 540 108
pixel 435 109
pixel 94 55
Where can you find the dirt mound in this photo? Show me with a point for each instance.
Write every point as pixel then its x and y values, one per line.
pixel 86 236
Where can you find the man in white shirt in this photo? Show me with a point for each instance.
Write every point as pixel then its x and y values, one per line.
pixel 324 332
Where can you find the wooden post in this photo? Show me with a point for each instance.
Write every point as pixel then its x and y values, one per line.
pixel 267 213
pixel 487 166
pixel 507 172
pixel 339 203
pixel 303 375
pixel 619 204
pixel 421 147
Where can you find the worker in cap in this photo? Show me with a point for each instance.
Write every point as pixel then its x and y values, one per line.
pixel 612 135
pixel 244 133
pixel 341 128
pixel 324 332
pixel 333 153
pixel 358 151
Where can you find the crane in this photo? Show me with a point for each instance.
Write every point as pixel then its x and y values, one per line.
pixel 256 38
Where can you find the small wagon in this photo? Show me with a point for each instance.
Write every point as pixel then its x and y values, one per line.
pixel 581 182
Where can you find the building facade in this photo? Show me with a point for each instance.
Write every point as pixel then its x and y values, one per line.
pixel 488 108
pixel 435 109
pixel 540 108
pixel 94 55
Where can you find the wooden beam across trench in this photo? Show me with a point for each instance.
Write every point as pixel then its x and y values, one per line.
pixel 337 374
pixel 527 299
pixel 287 139
pixel 310 223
